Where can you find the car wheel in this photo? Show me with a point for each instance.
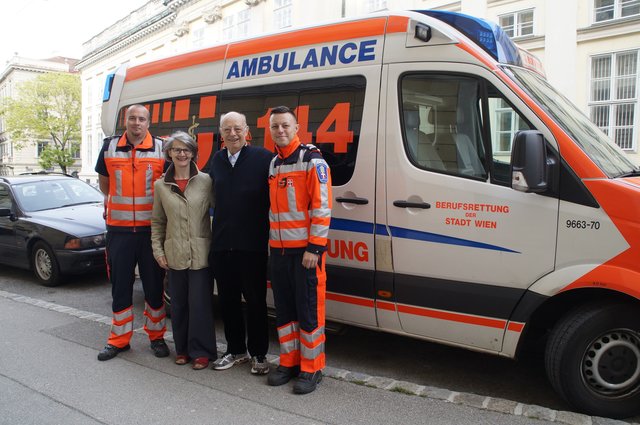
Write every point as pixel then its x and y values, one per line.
pixel 593 359
pixel 45 265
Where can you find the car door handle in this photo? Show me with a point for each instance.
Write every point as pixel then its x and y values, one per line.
pixel 357 201
pixel 407 204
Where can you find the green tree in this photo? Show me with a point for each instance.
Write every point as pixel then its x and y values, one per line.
pixel 47 108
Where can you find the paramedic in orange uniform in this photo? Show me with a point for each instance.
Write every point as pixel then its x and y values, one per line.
pixel 300 214
pixel 127 167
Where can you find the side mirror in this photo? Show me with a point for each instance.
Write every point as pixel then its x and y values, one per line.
pixel 5 212
pixel 529 169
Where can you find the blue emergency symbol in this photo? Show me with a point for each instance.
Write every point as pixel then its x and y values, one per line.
pixel 323 173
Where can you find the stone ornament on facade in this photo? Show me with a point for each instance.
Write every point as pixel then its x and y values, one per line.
pixel 212 14
pixel 182 28
pixel 252 3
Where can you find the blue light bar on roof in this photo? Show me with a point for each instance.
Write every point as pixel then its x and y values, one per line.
pixel 488 35
pixel 106 95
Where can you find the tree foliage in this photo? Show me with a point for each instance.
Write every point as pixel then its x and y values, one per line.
pixel 47 108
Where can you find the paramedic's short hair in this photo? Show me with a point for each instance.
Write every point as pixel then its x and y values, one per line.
pixel 183 137
pixel 136 105
pixel 284 110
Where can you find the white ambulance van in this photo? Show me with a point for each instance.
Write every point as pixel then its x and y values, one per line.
pixel 474 205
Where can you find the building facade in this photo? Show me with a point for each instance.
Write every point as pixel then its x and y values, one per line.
pixel 18 70
pixel 589 48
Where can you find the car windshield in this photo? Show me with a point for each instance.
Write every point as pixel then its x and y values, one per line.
pixel 593 142
pixel 49 194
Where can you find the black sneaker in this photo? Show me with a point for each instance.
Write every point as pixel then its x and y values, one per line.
pixel 110 351
pixel 282 374
pixel 307 382
pixel 160 348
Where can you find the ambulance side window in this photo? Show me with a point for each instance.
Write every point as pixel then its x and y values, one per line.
pixel 441 123
pixel 505 122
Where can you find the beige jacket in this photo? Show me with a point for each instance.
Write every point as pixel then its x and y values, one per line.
pixel 180 223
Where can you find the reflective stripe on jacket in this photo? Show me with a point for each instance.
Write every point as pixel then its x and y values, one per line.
pixel 300 195
pixel 132 171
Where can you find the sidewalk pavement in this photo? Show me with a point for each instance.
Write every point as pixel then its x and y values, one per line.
pixel 49 374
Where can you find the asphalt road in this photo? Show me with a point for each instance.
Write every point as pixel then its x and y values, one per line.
pixel 358 350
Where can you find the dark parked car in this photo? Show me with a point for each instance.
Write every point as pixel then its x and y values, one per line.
pixel 51 224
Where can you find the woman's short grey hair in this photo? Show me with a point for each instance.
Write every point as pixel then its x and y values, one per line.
pixel 183 137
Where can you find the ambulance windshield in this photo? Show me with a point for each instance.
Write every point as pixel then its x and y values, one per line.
pixel 597 145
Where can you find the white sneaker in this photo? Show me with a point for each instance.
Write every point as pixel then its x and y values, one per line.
pixel 228 360
pixel 259 365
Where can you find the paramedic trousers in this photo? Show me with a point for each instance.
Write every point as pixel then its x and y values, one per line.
pixel 243 274
pixel 299 296
pixel 124 251
pixel 192 313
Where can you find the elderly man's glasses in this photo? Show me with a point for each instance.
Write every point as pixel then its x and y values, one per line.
pixel 181 150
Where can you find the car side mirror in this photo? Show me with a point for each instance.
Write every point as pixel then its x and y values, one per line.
pixel 5 212
pixel 529 167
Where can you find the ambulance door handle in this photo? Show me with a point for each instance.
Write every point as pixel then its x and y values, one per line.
pixel 407 204
pixel 357 201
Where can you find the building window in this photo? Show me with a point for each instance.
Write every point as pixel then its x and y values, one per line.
pixel 371 6
pixel 5 150
pixel 197 37
pixel 41 147
pixel 243 23
pixel 281 14
pixel 518 24
pixel 227 27
pixel 614 96
pixel 75 151
pixel 606 10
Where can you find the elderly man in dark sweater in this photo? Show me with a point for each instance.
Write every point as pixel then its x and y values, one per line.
pixel 239 243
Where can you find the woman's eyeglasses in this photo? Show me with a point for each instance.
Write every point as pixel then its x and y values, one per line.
pixel 181 150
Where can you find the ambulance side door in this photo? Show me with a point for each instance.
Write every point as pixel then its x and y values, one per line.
pixel 465 245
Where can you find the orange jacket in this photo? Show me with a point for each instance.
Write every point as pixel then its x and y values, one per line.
pixel 132 171
pixel 300 195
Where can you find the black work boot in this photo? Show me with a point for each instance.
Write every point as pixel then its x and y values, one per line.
pixel 307 382
pixel 282 374
pixel 160 348
pixel 110 351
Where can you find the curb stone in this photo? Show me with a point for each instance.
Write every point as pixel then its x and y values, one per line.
pixel 386 384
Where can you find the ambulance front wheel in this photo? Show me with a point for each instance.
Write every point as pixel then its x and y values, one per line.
pixel 592 359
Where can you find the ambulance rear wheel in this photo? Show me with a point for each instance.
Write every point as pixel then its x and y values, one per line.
pixel 593 360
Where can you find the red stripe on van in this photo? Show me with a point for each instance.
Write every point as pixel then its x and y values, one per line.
pixel 397 24
pixel 515 327
pixel 383 305
pixel 349 300
pixel 453 317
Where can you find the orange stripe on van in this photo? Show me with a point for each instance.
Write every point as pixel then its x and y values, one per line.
pixel 349 299
pixel 336 32
pixel 200 57
pixel 453 317
pixel 342 31
pixel 621 273
pixel 397 24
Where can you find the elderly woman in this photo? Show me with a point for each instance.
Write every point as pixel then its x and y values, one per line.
pixel 181 237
